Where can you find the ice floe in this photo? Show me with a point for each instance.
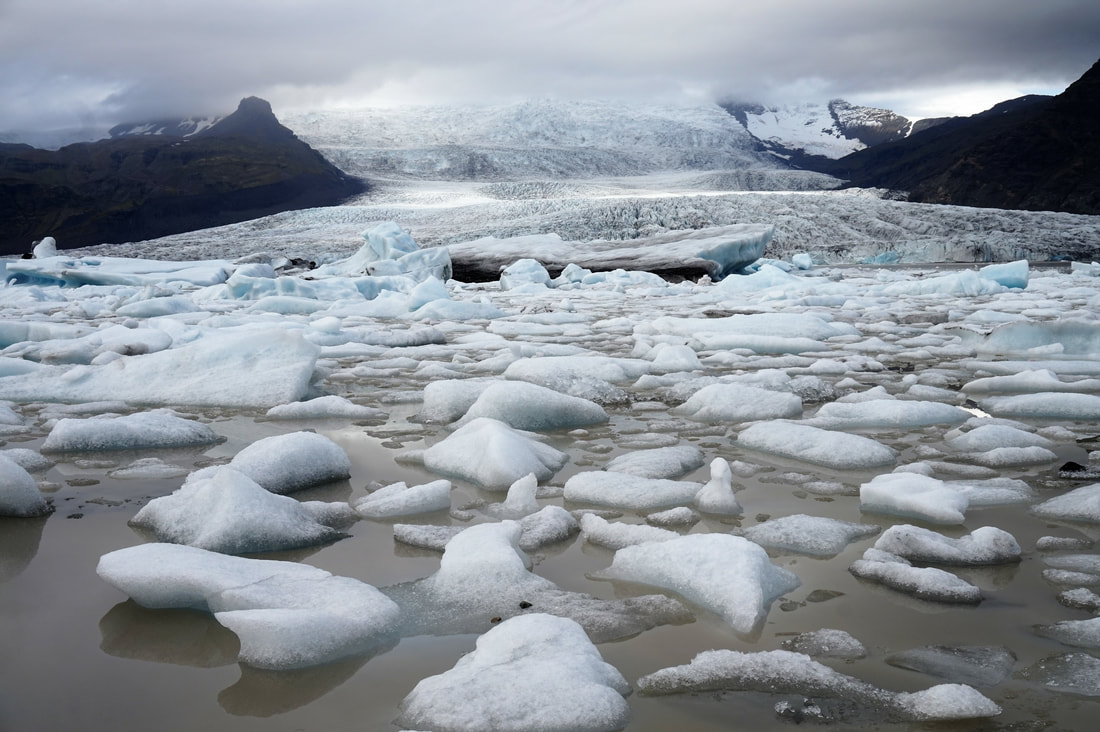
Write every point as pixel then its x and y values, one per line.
pixel 223 510
pixel 19 494
pixel 286 615
pixel 1079 504
pixel 530 672
pixel 813 535
pixel 806 443
pixel 490 454
pixel 728 576
pixel 786 672
pixel 985 545
pixel 293 461
pixel 925 583
pixel 130 432
pixel 399 499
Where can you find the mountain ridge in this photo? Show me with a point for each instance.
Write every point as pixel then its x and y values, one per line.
pixel 140 187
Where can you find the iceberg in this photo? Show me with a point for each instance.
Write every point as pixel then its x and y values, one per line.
pixel 155 429
pixel 925 583
pixel 19 494
pixel 533 672
pixel 490 454
pixel 222 510
pixel 399 499
pixel 985 545
pixel 293 461
pixel 726 575
pixel 621 490
pixel 806 443
pixel 731 403
pixel 786 672
pixel 286 615
pixel 534 408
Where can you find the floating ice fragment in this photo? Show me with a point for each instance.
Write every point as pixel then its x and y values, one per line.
pixel 926 583
pixel 30 460
pixel 784 672
pixel 716 496
pixel 620 490
pixel 826 643
pixel 837 450
pixel 1046 405
pixel 886 414
pixel 1072 673
pixel 534 408
pixel 985 545
pixel 325 407
pixel 222 510
pixel 914 496
pixel 291 462
pixel 1080 504
pixel 727 575
pixel 680 516
pixel 19 494
pixel 148 469
pixel 534 672
pixel 972 665
pixel 728 403
pixel 491 454
pixel 520 501
pixel 1079 633
pixel 616 535
pixel 399 499
pixel 286 615
pixel 154 429
pixel 813 535
pixel 659 462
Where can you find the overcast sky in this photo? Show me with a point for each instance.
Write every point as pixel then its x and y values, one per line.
pixel 67 63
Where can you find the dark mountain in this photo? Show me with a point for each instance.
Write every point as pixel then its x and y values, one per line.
pixel 1034 153
pixel 132 188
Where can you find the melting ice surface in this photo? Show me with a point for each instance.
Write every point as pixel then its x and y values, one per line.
pixel 796 453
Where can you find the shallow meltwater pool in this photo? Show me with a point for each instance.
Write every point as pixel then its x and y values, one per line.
pixel 919 435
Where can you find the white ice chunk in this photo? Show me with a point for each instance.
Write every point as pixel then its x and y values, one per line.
pixel 993 436
pixel 291 462
pixel 826 643
pixel 616 535
pixel 716 496
pixel 520 501
pixel 1028 382
pixel 30 460
pixel 446 400
pixel 287 615
pixel 19 494
pixel 1079 633
pixel 813 535
pixel 399 499
pixel 838 450
pixel 911 495
pixel 1072 673
pixel 1045 405
pixel 659 462
pixel 738 403
pixel 325 407
pixel 534 408
pixel 45 248
pixel 785 672
pixel 620 490
pixel 222 510
pixel 131 432
pixel 524 272
pixel 533 672
pixel 679 516
pixel 925 583
pixel 887 414
pixel 489 453
pixel 1079 504
pixel 985 545
pixel 256 368
pixel 727 575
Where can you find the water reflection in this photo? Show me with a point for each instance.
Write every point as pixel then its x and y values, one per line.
pixel 19 539
pixel 176 636
pixel 262 693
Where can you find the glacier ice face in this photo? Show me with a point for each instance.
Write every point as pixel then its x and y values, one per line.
pixel 530 672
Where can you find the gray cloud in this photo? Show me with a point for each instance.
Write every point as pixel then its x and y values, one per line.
pixel 70 62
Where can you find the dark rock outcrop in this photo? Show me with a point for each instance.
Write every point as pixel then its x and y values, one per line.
pixel 140 187
pixel 1035 153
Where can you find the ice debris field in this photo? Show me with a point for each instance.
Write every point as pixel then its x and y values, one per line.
pixel 568 500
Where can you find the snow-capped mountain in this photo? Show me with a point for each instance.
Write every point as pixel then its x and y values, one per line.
pixel 831 130
pixel 176 127
pixel 531 139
